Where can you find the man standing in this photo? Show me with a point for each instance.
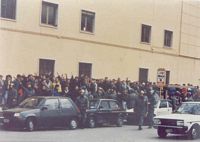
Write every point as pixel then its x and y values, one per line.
pixel 151 104
pixel 82 103
pixel 141 107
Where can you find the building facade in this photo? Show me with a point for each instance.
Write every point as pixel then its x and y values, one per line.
pixel 127 39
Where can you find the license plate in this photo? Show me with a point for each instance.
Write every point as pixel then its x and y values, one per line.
pixel 6 120
pixel 168 130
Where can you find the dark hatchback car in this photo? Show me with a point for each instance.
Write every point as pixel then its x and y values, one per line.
pixel 105 111
pixel 42 112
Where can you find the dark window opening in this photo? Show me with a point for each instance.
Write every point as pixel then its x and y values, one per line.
pixel 143 75
pixel 167 77
pixel 85 69
pixel 49 13
pixel 87 21
pixel 146 33
pixel 46 67
pixel 8 9
pixel 168 38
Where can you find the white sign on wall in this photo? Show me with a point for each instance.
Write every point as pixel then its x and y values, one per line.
pixel 161 77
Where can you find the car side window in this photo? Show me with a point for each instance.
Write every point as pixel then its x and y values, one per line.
pixel 51 104
pixel 170 105
pixel 114 105
pixel 104 105
pixel 65 103
pixel 196 110
pixel 163 104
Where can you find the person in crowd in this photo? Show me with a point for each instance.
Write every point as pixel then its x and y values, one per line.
pixel 1 88
pixel 82 102
pixel 29 91
pixel 6 87
pixel 151 104
pixel 56 91
pixel 12 96
pixel 141 108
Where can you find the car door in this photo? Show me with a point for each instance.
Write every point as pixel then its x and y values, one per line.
pixel 104 111
pixel 50 113
pixel 67 111
pixel 115 110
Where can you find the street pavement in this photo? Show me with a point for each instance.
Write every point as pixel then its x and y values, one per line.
pixel 102 134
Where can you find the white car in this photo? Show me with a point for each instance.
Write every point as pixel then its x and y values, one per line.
pixel 185 121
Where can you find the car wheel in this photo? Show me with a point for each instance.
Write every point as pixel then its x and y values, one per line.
pixel 194 132
pixel 73 124
pixel 119 121
pixel 30 124
pixel 91 122
pixel 161 133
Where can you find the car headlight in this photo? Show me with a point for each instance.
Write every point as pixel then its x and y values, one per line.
pixel 17 115
pixel 180 123
pixel 157 121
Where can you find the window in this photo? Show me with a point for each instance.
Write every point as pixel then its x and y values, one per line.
pixel 163 104
pixel 65 103
pixel 52 104
pixel 87 21
pixel 85 69
pixel 49 13
pixel 8 9
pixel 168 38
pixel 104 105
pixel 143 75
pixel 114 105
pixel 46 67
pixel 146 33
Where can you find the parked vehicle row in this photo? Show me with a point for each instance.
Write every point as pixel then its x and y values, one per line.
pixel 48 112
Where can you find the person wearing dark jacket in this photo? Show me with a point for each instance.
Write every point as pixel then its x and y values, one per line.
pixel 141 108
pixel 82 103
pixel 151 104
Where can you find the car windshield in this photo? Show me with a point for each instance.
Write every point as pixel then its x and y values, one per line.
pixel 189 108
pixel 31 103
pixel 93 104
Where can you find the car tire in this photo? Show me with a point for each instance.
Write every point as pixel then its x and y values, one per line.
pixel 73 124
pixel 91 122
pixel 162 133
pixel 194 132
pixel 30 124
pixel 119 121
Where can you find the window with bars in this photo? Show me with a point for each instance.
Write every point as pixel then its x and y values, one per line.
pixel 146 33
pixel 49 14
pixel 87 21
pixel 168 38
pixel 8 9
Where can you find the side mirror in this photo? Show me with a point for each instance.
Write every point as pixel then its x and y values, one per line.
pixel 44 108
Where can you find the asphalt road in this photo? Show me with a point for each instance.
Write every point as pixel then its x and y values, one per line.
pixel 103 134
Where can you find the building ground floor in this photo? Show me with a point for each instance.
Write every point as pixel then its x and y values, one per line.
pixel 26 53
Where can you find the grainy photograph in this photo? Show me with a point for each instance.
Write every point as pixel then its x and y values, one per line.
pixel 99 70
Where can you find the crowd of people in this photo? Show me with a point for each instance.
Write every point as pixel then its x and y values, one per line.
pixel 141 96
pixel 15 90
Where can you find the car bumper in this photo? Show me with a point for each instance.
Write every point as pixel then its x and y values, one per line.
pixel 12 122
pixel 173 129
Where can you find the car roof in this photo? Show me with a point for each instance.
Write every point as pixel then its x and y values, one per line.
pixel 103 100
pixel 48 97
pixel 191 102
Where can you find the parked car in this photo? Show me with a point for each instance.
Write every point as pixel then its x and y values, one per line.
pixel 37 112
pixel 185 121
pixel 105 111
pixel 162 107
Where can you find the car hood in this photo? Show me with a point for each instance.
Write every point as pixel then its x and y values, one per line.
pixel 186 117
pixel 16 110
